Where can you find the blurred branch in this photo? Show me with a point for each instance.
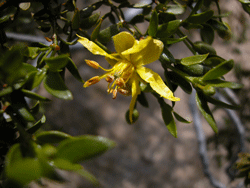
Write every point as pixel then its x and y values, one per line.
pixel 239 128
pixel 30 38
pixel 202 142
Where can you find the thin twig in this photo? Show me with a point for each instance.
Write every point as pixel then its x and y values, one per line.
pixel 202 143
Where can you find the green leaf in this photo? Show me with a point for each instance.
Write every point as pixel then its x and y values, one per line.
pixel 90 177
pixel 57 63
pixel 37 125
pixel 178 80
pixel 213 61
pixel 33 95
pixel 201 17
pixel 83 148
pixel 106 34
pixel 89 22
pixel 167 116
pixel 76 20
pixel 21 170
pixel 221 104
pixel 207 34
pixel 96 31
pixel 153 24
pixel 204 48
pixel 139 18
pixel 73 69
pixel 6 91
pixel 51 137
pixel 198 5
pixel 192 60
pixel 169 41
pixel 167 29
pixel 55 86
pixel 175 9
pixel 223 84
pixel 205 111
pixel 219 70
pixel 67 165
pixel 180 118
pixel 37 79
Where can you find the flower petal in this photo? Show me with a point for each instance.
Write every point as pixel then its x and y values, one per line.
pixel 135 92
pixel 156 83
pixel 149 54
pixel 93 48
pixel 146 51
pixel 123 41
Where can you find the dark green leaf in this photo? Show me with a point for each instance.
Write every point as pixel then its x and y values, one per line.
pixel 6 91
pixel 168 118
pixel 37 79
pixel 57 63
pixel 178 80
pixel 165 17
pixel 76 20
pixel 106 34
pixel 55 86
pixel 83 148
pixel 89 22
pixel 192 60
pixel 169 41
pixel 204 48
pixel 142 99
pixel 224 84
pixel 86 12
pixel 197 6
pixel 96 31
pixel 207 34
pixel 213 61
pixel 33 95
pixel 193 70
pixel 37 125
pixel 168 29
pixel 73 69
pixel 201 17
pixel 205 111
pixel 180 118
pixel 153 24
pixel 137 19
pixel 221 104
pixel 219 70
pixel 51 137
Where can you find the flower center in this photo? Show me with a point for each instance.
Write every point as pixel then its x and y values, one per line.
pixel 118 78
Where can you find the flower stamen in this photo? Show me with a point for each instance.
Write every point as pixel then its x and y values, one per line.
pixel 92 81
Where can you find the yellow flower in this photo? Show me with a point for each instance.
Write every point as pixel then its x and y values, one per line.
pixel 127 66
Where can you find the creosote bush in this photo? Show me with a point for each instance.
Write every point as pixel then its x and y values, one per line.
pixel 27 152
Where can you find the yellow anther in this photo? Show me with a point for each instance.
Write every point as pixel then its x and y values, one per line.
pixel 92 81
pixel 92 64
pixel 120 82
pixel 110 78
pixel 124 91
pixel 114 93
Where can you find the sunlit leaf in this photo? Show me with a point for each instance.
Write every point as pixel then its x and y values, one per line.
pixel 192 60
pixel 83 148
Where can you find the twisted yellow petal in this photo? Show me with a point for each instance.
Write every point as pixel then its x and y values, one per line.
pixel 156 83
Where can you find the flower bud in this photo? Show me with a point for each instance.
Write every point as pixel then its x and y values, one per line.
pixel 92 81
pixel 92 64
